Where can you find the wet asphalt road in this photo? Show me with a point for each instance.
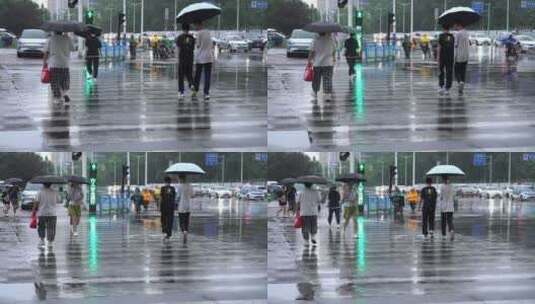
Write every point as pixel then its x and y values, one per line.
pixel 134 104
pixel 123 260
pixel 396 106
pixel 491 260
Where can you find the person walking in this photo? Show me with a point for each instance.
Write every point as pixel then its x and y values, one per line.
pixel 75 197
pixel 349 201
pixel 281 197
pixel 445 58
pixel 446 203
pixel 308 202
pixel 92 55
pixel 462 48
pixel 204 57
pixel 407 45
pixel 185 45
pixel 5 201
pixel 47 199
pixel 334 206
pixel 57 53
pixel 291 194
pixel 13 196
pixel 322 57
pixel 132 44
pixel 167 207
pixel 185 192
pixel 428 203
pixel 351 46
pixel 424 45
pixel 412 198
pixel 137 199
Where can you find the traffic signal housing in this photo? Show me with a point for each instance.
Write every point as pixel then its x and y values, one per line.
pixel 89 16
pixel 122 18
pixel 126 171
pixel 76 155
pixel 391 18
pixel 393 171
pixel 361 169
pixel 359 18
pixel 344 156
pixel 72 3
pixel 342 3
pixel 93 170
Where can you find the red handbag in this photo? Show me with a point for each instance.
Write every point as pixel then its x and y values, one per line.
pixel 33 222
pixel 45 74
pixel 309 72
pixel 298 222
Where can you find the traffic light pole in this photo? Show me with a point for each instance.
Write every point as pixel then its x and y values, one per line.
pixel 125 20
pixel 394 22
pixel 80 19
pixel 396 165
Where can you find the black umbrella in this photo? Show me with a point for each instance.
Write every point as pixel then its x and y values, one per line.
pixel 351 178
pixel 323 27
pixel 76 179
pixel 63 26
pixel 89 29
pixel 48 179
pixel 197 12
pixel 459 15
pixel 312 179
pixel 14 181
pixel 288 180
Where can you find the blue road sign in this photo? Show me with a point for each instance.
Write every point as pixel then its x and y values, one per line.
pixel 261 156
pixel 259 4
pixel 478 6
pixel 480 159
pixel 527 4
pixel 528 156
pixel 211 159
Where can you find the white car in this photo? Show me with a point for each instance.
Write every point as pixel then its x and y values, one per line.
pixel 31 42
pixel 299 43
pixel 237 43
pixel 527 43
pixel 29 196
pixel 480 39
pixel 220 192
pixel 255 195
pixel 469 191
pixel 491 193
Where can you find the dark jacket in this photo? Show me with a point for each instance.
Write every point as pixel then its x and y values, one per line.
pixel 334 199
pixel 167 198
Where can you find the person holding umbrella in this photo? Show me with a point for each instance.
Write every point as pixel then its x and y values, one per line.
pixel 92 54
pixel 351 46
pixel 57 53
pixel 323 56
pixel 204 57
pixel 185 44
pixel 167 207
pixel 75 198
pixel 185 192
pixel 13 196
pixel 334 206
pixel 462 48
pixel 308 202
pixel 428 202
pixel 349 201
pixel 47 200
pixel 137 199
pixel 446 203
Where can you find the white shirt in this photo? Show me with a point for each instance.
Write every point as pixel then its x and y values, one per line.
pixel 323 48
pixel 462 46
pixel 59 48
pixel 76 196
pixel 309 201
pixel 48 198
pixel 184 193
pixel 204 47
pixel 446 197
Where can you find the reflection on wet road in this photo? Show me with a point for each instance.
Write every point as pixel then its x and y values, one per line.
pixel 134 103
pixel 122 260
pixel 393 106
pixel 491 260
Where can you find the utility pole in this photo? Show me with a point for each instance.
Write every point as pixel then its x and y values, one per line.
pixel 396 164
pixel 142 14
pixel 404 5
pixel 174 20
pixel 413 168
pixel 350 12
pixel 508 7
pixel 445 5
pixel 137 175
pixel 125 19
pixel 394 24
pixel 509 170
pixel 80 19
pixel 412 18
pixel 241 167
pixel 237 15
pixel 146 167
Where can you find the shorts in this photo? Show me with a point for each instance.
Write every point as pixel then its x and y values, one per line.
pixel 75 210
pixel 350 212
pixel 282 203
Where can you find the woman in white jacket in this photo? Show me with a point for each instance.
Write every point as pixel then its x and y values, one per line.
pixel 446 206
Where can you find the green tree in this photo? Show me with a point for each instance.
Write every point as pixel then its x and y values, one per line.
pixel 16 15
pixel 23 165
pixel 283 165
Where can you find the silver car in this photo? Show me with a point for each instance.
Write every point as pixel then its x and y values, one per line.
pixel 299 43
pixel 31 42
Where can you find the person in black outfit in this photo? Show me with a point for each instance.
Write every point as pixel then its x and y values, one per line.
pixel 291 195
pixel 334 205
pixel 167 207
pixel 185 44
pixel 445 60
pixel 92 55
pixel 351 45
pixel 428 198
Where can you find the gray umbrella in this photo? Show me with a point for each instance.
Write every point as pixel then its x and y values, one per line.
pixel 323 27
pixel 76 179
pixel 14 181
pixel 63 26
pixel 288 180
pixel 312 179
pixel 351 178
pixel 48 179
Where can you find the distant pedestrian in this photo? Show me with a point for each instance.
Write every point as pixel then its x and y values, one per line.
pixel 47 200
pixel 407 46
pixel 14 196
pixel 334 206
pixel 154 42
pixel 446 203
pixel 167 207
pixel 291 195
pixel 308 202
pixel 137 199
pixel 75 197
pixel 350 203
pixel 132 44
pixel 445 58
pixel 351 46
pixel 185 45
pixel 283 203
pixel 412 198
pixel 204 57
pixel 322 57
pixel 428 203
pixel 92 55
pixel 5 201
pixel 462 49
pixel 185 193
pixel 57 53
pixel 424 45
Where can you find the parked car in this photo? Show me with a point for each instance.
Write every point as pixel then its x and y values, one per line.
pixel 491 192
pixel 479 39
pixel 527 43
pixel 31 42
pixel 299 43
pixel 7 38
pixel 257 41
pixel 29 196
pixel 527 195
pixel 468 191
pixel 221 192
pixel 237 43
pixel 275 38
pixel 522 193
pixel 221 44
pixel 255 195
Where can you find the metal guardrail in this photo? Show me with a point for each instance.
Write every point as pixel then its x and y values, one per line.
pixel 379 52
pixel 114 52
pixel 113 204
pixel 375 203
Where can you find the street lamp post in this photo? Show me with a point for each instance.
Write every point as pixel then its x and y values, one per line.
pixel 404 5
pixel 508 7
pixel 142 15
pixel 412 17
pixel 138 157
pixel 237 15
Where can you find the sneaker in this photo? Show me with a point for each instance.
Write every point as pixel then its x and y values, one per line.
pixel 314 243
pixel 41 244
pixel 338 227
pixel 206 96
pixel 66 98
pixel 75 233
pixel 452 235
pixel 180 96
pixel 441 91
pixel 432 234
pixel 461 87
pixel 447 92
pixel 50 244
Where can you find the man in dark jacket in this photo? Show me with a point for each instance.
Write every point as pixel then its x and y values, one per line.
pixel 334 205
pixel 92 55
pixel 428 201
pixel 167 207
pixel 351 46
pixel 185 45
pixel 445 58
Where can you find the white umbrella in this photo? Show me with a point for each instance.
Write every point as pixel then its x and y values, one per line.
pixel 442 170
pixel 197 12
pixel 184 168
pixel 460 14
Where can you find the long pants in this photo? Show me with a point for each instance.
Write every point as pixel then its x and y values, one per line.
pixel 351 64
pixel 59 81
pixel 336 212
pixel 132 52
pixel 166 218
pixel 460 71
pixel 183 219
pixel 310 226
pixel 325 72
pixel 199 67
pixel 185 70
pixel 428 220
pixel 446 218
pixel 47 227
pixel 407 51
pixel 446 69
pixel 91 63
